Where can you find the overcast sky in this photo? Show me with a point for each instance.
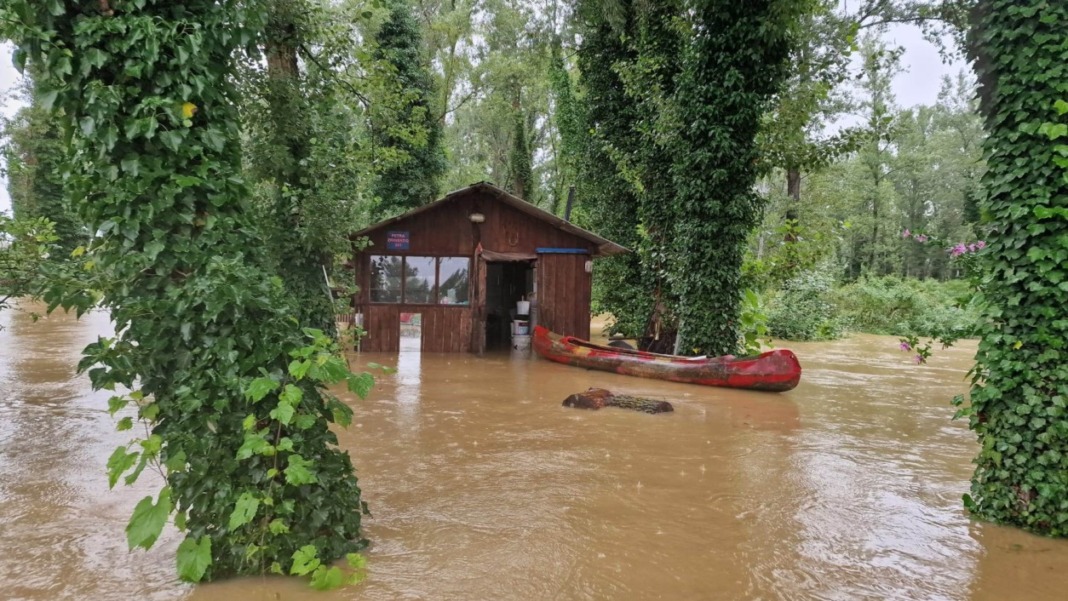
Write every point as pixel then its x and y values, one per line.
pixel 919 84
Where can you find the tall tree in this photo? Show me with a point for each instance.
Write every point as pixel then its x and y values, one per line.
pixel 35 157
pixel 231 389
pixel 1020 387
pixel 609 203
pixel 732 67
pixel 281 140
pixel 408 137
pixel 881 64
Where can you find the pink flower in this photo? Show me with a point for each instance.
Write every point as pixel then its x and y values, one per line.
pixel 958 250
pixel 920 238
pixel 905 234
pixel 906 346
pixel 980 245
pixel 972 247
pixel 918 359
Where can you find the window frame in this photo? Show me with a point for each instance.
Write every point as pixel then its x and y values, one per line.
pixel 404 280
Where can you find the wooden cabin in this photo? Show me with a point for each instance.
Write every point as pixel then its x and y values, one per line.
pixel 450 273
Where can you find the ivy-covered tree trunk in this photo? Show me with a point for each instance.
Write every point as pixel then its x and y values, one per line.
pixel 520 160
pixel 608 202
pixel 228 384
pixel 35 155
pixel 299 263
pixel 731 69
pixel 406 134
pixel 1020 391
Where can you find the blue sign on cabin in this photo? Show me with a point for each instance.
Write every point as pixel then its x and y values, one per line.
pixel 397 240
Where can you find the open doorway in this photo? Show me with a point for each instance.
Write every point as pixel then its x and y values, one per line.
pixel 507 283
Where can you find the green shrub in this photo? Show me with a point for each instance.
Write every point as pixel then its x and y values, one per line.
pixel 902 307
pixel 803 309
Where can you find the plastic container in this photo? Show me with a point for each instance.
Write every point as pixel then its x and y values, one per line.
pixel 522 307
pixel 521 343
pixel 520 327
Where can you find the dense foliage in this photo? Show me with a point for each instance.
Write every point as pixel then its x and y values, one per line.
pixel 229 385
pixel 406 130
pixel 34 157
pixel 734 65
pixel 674 98
pixel 1020 386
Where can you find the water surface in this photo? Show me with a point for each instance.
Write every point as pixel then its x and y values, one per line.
pixel 483 487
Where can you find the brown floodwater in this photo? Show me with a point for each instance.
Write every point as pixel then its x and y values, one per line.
pixel 483 487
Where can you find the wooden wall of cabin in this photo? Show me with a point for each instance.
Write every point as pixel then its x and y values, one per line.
pixel 444 329
pixel 447 230
pixel 564 289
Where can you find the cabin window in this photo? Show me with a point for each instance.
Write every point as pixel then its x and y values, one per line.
pixel 386 279
pixel 419 280
pixel 452 280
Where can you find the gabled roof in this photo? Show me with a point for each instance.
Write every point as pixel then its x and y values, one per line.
pixel 604 247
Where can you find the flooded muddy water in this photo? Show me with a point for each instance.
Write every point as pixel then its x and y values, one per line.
pixel 483 487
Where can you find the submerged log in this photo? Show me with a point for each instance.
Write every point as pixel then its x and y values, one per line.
pixel 595 398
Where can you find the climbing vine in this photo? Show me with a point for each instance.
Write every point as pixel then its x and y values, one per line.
pixel 1020 384
pixel 228 385
pixel 729 72
pixel 609 204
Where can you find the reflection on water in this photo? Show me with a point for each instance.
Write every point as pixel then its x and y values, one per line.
pixel 483 487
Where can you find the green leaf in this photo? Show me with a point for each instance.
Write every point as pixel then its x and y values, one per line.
pixel 254 444
pixel 356 561
pixel 116 404
pixel 48 99
pixel 283 413
pixel 118 463
pixel 172 139
pixel 194 558
pixel 244 510
pixel 305 560
pixel 150 412
pixel 259 388
pixel 124 424
pixel 18 59
pixel 1061 106
pixel 361 384
pixel 176 462
pixel 291 395
pixel 297 472
pixel 342 413
pixel 327 579
pixel 153 248
pixel 148 520
pixel 278 526
pixel 131 165
pixel 298 369
pixel 87 125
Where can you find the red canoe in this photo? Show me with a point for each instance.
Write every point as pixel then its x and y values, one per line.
pixel 774 371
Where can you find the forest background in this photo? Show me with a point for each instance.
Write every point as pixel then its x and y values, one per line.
pixel 892 126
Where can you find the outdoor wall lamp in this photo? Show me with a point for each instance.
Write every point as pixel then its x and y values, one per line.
pixel 476 217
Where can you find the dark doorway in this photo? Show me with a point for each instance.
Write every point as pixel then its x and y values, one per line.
pixel 506 284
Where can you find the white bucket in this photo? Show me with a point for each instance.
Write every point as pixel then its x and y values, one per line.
pixel 522 308
pixel 521 343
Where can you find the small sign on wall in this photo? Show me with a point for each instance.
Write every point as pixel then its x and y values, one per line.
pixel 397 240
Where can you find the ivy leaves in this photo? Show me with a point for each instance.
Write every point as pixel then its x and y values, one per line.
pixel 1020 383
pixel 232 394
pixel 148 520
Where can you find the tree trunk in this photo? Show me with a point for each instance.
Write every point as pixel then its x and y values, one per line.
pixel 793 191
pixel 596 398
